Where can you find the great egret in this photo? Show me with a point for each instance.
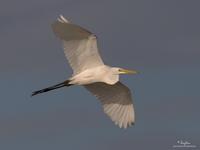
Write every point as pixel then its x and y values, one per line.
pixel 80 48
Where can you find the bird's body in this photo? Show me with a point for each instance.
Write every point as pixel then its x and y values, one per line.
pixel 80 48
pixel 102 73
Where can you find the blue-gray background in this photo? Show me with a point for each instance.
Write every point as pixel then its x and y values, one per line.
pixel 160 39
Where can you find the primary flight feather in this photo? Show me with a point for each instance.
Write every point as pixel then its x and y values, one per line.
pixel 81 51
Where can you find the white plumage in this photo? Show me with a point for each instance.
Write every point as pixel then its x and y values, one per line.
pixel 81 60
pixel 80 48
pixel 116 101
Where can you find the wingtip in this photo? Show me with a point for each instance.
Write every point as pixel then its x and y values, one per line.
pixel 62 19
pixel 121 126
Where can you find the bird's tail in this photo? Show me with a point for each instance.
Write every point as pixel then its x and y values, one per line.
pixel 63 84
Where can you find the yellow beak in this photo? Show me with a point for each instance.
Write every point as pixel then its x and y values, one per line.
pixel 125 71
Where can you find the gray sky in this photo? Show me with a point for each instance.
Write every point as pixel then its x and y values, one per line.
pixel 160 39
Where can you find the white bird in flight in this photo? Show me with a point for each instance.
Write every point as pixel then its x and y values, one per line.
pixel 80 48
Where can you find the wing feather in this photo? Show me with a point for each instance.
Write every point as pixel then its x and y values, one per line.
pixel 80 45
pixel 116 101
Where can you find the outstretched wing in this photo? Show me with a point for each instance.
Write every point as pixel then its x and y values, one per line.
pixel 80 45
pixel 116 101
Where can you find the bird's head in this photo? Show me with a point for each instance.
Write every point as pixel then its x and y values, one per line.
pixel 118 70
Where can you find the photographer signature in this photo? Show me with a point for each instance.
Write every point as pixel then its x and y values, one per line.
pixel 181 143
